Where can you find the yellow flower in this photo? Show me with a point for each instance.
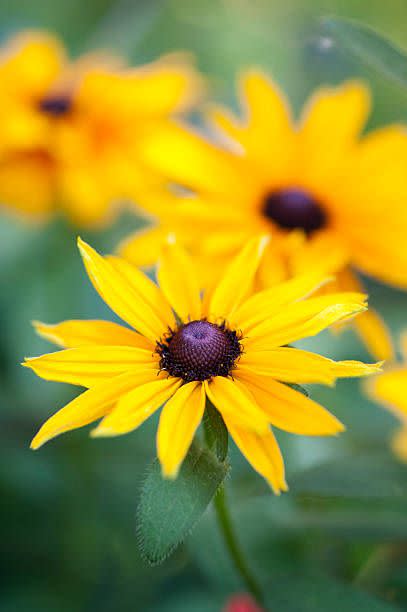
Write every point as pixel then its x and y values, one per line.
pixel 71 133
pixel 330 199
pixel 390 389
pixel 230 346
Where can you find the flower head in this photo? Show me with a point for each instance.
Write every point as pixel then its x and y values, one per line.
pixel 330 199
pixel 75 130
pixel 230 346
pixel 390 390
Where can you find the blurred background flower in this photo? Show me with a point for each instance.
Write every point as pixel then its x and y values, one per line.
pixel 74 131
pixel 68 513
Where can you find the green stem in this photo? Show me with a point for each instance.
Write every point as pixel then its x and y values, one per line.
pixel 235 552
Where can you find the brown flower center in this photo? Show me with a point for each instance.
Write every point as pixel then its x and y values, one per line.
pixel 56 105
pixel 294 208
pixel 199 350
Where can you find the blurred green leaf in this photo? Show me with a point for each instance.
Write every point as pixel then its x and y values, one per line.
pixel 368 476
pixel 369 47
pixel 169 509
pixel 216 434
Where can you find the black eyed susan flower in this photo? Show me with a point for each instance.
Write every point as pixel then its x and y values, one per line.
pixel 390 390
pixel 74 130
pixel 230 346
pixel 331 200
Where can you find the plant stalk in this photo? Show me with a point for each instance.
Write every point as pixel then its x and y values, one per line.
pixel 232 545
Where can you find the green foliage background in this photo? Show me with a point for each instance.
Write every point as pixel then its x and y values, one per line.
pixel 67 517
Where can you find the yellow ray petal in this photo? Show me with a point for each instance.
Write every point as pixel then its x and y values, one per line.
pixel 265 304
pixel 237 280
pixel 143 248
pixel 232 402
pixel 289 409
pixel 90 405
pixel 375 335
pixel 371 328
pixel 266 130
pixel 390 388
pixel 178 281
pixel 305 319
pixel 298 366
pixel 145 287
pixel 135 407
pixel 330 125
pixel 187 158
pixel 179 420
pixel 87 366
pixel 75 333
pixel 130 300
pixel 262 452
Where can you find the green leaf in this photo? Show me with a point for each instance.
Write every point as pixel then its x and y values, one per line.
pixel 216 433
pixel 368 46
pixel 374 477
pixel 169 509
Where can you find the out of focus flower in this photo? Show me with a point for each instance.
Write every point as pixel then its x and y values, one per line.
pixel 230 347
pixel 390 389
pixel 242 603
pixel 332 200
pixel 71 133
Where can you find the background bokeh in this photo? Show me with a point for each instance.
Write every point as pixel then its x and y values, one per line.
pixel 67 526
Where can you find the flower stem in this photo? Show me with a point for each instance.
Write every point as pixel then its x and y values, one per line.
pixel 235 552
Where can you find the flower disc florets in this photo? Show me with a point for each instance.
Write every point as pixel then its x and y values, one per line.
pixel 199 350
pixel 56 105
pixel 294 208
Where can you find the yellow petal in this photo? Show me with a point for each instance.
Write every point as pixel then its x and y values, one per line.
pixel 371 328
pixel 179 421
pixel 233 403
pixel 266 131
pixel 298 366
pixel 87 366
pixel 135 407
pixel 237 280
pixel 89 406
pixel 289 409
pixel 264 304
pixel 75 333
pixel 186 158
pixel 305 319
pixel 375 334
pixel 142 285
pixel 143 248
pixel 330 125
pixel 390 388
pixel 133 299
pixel 262 452
pixel 178 281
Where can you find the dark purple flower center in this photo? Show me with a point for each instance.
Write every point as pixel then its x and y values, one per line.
pixel 56 105
pixel 294 209
pixel 199 350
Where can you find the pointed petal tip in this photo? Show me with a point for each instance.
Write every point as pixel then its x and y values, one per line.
pixel 169 474
pixel 37 442
pixel 102 432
